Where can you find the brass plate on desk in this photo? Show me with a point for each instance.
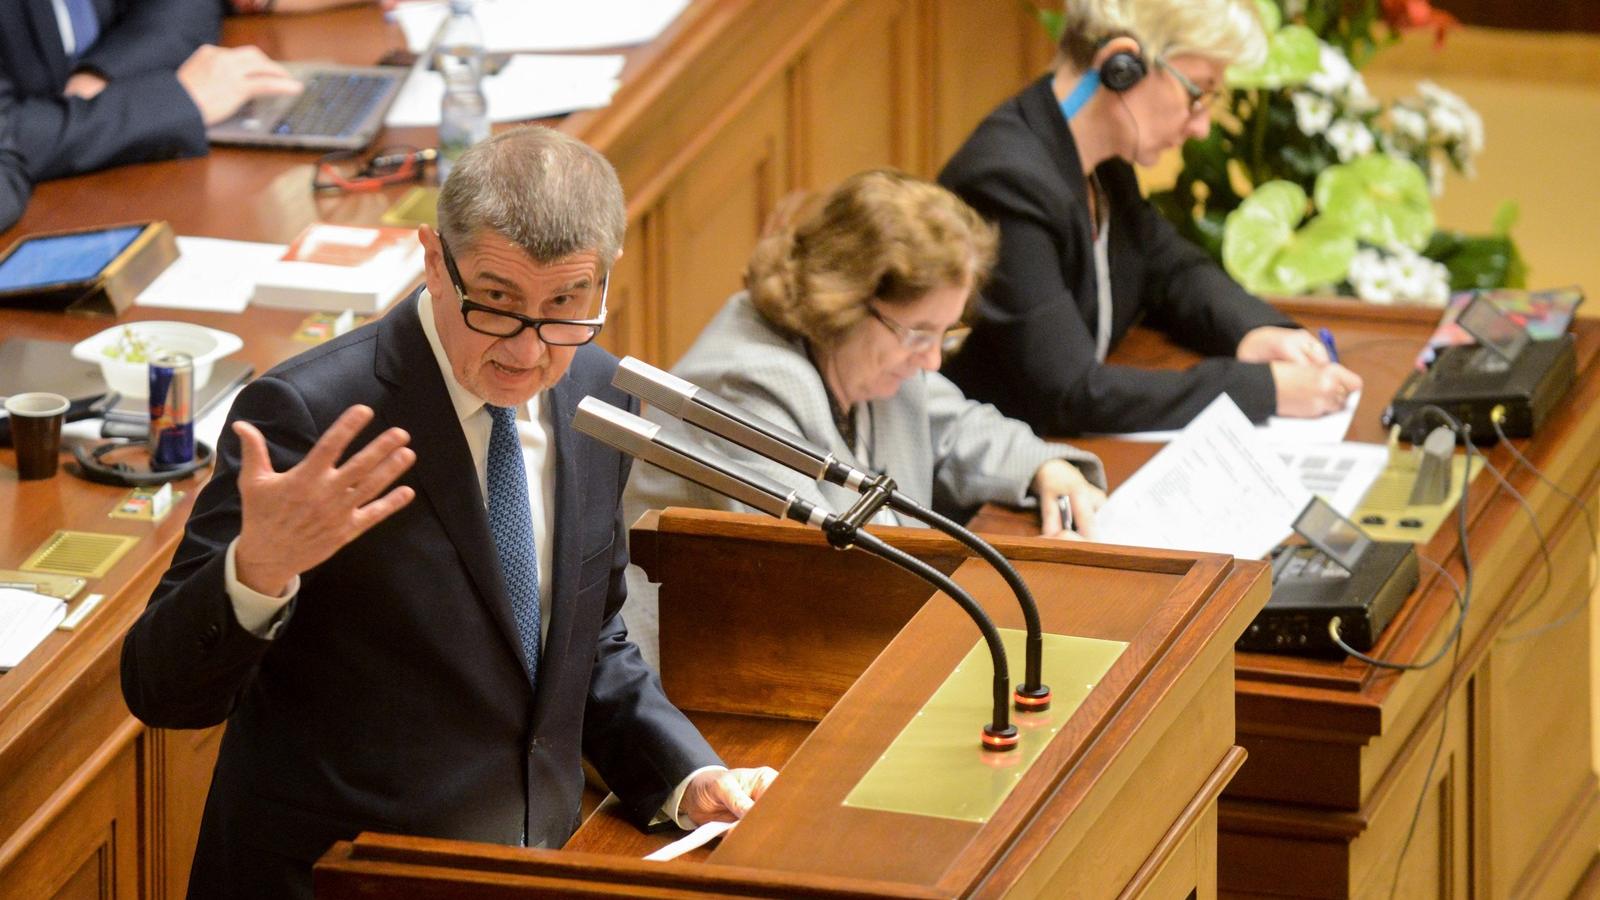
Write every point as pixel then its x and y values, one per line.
pixel 936 766
pixel 84 554
pixel 63 587
pixel 1388 502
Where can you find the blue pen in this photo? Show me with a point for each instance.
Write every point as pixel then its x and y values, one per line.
pixel 1327 341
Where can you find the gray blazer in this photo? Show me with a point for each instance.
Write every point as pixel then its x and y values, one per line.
pixel 942 449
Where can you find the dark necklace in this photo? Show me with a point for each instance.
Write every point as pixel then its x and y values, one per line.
pixel 843 421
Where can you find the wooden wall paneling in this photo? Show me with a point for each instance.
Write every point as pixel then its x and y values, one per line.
pixel 177 777
pixel 853 95
pixel 712 216
pixel 1436 862
pixel 86 843
pixel 1538 768
pixel 981 54
pixel 632 292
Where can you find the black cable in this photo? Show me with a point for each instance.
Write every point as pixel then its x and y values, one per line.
pixel 1582 508
pixel 1544 544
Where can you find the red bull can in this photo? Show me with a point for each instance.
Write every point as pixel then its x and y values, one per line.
pixel 171 411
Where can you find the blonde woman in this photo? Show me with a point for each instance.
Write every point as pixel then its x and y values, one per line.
pixel 1083 257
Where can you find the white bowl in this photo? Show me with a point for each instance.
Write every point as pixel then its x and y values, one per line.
pixel 132 379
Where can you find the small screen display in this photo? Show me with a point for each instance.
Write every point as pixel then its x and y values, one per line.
pixel 1493 328
pixel 64 258
pixel 1322 526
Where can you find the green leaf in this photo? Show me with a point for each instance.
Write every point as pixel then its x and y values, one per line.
pixel 1383 199
pixel 1505 218
pixel 1271 16
pixel 1262 249
pixel 1293 55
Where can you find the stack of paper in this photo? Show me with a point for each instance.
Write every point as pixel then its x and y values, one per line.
pixel 211 274
pixel 511 25
pixel 529 86
pixel 1217 488
pixel 332 268
pixel 26 618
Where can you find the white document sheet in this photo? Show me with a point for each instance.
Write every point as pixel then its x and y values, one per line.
pixel 529 87
pixel 696 838
pixel 1217 488
pixel 1341 473
pixel 26 618
pixel 1328 429
pixel 212 274
pixel 514 25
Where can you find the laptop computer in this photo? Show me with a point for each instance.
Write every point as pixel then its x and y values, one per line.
pixel 342 108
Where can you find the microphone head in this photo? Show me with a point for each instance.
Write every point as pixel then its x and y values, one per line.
pixel 616 427
pixel 662 390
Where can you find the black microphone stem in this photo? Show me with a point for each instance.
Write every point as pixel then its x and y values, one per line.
pixel 1000 734
pixel 1031 695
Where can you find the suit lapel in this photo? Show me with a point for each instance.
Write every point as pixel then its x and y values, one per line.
pixel 1043 117
pixel 444 474
pixel 47 38
pixel 568 537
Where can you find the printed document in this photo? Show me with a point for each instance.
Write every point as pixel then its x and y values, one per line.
pixel 530 86
pixel 515 25
pixel 1216 488
pixel 1328 429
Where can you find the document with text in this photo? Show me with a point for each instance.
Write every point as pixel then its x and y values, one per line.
pixel 1216 488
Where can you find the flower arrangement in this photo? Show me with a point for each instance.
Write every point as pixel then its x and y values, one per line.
pixel 1307 183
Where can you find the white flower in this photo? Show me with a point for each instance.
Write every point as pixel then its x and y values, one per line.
pixel 1356 96
pixel 1447 123
pixel 1334 75
pixel 1372 276
pixel 1312 112
pixel 1409 124
pixel 1350 139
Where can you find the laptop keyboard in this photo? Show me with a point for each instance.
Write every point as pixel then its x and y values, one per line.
pixel 333 104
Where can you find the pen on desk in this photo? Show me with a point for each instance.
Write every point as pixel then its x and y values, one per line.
pixel 1327 341
pixel 1065 506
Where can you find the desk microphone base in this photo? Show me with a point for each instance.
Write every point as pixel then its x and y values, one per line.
pixel 1296 618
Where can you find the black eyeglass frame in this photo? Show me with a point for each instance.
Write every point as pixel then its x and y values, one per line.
pixel 523 322
pixel 1199 100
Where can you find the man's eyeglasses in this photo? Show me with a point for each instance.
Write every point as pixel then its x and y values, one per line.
pixel 1199 100
pixel 346 170
pixel 504 324
pixel 919 340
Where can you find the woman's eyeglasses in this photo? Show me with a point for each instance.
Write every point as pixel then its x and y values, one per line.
pixel 1199 100
pixel 919 340
pixel 505 324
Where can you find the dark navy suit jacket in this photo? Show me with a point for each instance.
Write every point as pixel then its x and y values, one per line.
pixel 143 114
pixel 1032 351
pixel 395 697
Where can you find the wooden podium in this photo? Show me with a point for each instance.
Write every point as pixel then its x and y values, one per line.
pixel 789 653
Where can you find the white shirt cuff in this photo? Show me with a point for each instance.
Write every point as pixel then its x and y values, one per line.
pixel 669 810
pixel 255 611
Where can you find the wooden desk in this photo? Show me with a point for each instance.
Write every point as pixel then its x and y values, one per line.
pixel 1339 750
pixel 736 104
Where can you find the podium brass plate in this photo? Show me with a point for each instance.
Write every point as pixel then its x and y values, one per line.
pixel 936 766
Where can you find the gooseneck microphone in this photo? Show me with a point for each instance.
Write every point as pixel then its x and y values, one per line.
pixel 691 403
pixel 643 440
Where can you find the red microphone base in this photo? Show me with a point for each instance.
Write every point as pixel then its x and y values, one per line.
pixel 999 741
pixel 1031 699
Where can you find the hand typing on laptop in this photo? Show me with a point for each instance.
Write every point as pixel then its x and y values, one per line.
pixel 222 79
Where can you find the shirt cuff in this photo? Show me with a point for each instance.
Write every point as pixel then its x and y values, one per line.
pixel 669 810
pixel 256 611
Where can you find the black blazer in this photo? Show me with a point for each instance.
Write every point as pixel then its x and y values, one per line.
pixel 1031 352
pixel 143 114
pixel 395 696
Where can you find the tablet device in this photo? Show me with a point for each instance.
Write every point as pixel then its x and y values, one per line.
pixel 91 270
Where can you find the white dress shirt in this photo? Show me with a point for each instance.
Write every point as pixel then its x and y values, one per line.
pixel 256 611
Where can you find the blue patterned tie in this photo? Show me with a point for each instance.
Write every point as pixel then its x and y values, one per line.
pixel 512 526
pixel 85 25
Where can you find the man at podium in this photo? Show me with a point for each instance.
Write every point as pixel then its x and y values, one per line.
pixel 401 587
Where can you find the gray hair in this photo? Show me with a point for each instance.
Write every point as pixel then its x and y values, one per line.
pixel 1228 31
pixel 547 192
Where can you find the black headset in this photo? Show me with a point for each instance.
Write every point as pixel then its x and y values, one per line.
pixel 100 471
pixel 1122 70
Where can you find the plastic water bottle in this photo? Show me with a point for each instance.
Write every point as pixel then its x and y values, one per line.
pixel 463 113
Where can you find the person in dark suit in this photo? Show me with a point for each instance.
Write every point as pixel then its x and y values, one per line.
pixel 15 188
pixel 434 656
pixel 1083 257
pixel 90 84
